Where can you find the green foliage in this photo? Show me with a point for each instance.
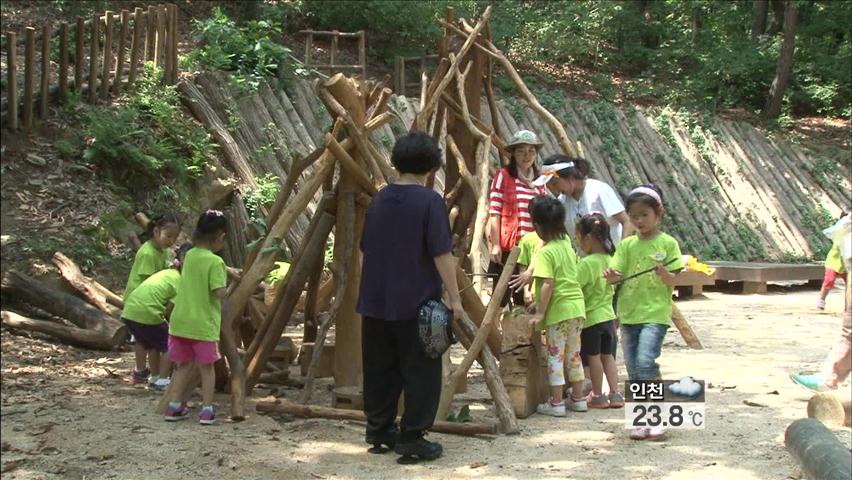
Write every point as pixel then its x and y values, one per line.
pixel 278 274
pixel 249 50
pixel 145 138
pixel 267 190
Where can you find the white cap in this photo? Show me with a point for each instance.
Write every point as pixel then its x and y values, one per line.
pixel 548 171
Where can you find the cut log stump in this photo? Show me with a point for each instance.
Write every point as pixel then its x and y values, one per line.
pixel 523 370
pixel 326 364
pixel 831 409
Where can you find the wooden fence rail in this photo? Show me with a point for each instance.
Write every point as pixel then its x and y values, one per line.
pixel 332 66
pixel 155 29
pixel 400 85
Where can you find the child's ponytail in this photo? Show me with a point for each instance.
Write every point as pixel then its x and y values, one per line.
pixel 595 224
pixel 160 222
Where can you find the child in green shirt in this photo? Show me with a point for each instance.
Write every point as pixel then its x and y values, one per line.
pixel 645 302
pixel 560 309
pixel 530 244
pixel 598 336
pixel 197 317
pixel 151 257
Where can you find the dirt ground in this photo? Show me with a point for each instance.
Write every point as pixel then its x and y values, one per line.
pixel 69 414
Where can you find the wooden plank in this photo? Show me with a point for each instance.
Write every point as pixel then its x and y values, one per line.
pixel 12 80
pixel 119 63
pixel 767 272
pixel 29 74
pixel 134 46
pixel 93 59
pixel 362 53
pixel 174 43
pixel 309 43
pixel 334 48
pixel 150 37
pixel 324 32
pixel 63 60
pixel 44 96
pixel 160 43
pixel 107 66
pixel 78 54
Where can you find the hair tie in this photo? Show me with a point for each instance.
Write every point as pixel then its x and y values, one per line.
pixel 649 192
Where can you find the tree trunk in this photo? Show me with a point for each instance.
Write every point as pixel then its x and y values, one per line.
pixel 83 284
pixel 760 9
pixel 785 63
pixel 777 17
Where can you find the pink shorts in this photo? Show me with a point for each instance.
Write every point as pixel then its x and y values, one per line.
pixel 183 350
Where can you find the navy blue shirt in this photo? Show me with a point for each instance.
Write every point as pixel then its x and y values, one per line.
pixel 405 229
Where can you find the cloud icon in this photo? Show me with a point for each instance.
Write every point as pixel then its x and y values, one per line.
pixel 686 387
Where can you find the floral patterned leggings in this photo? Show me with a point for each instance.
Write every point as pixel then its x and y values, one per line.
pixel 563 352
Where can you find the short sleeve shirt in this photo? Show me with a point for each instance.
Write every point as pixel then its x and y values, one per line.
pixel 597 196
pixel 148 301
pixel 148 261
pixel 529 245
pixel 405 228
pixel 557 261
pixel 198 312
pixel 645 299
pixel 597 292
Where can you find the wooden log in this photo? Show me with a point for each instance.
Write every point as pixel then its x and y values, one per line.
pixel 464 173
pixel 310 307
pixel 297 276
pixel 151 36
pixel 194 379
pixel 478 255
pixel 44 97
pixel 426 112
pixel 830 409
pixel 173 43
pixel 93 59
pixel 274 405
pixel 349 165
pixel 29 77
pixel 78 337
pixel 522 366
pixel 198 105
pixel 362 53
pixel 237 381
pixel 12 80
pixel 135 46
pixel 63 60
pixel 473 306
pixel 119 63
pixel 160 44
pixel 83 284
pixel 107 66
pixel 818 451
pixel 508 421
pixel 345 251
pixel 685 329
pixel 78 54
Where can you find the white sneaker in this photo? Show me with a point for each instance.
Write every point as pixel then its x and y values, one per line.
pixel 548 408
pixel 579 405
pixel 656 433
pixel 820 304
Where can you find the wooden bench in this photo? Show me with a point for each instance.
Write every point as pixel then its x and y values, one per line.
pixel 755 276
pixel 690 282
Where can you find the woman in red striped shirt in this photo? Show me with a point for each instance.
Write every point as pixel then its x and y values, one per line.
pixel 511 192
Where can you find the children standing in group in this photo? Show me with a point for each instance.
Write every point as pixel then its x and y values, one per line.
pixel 560 309
pixel 599 329
pixel 145 311
pixel 151 257
pixel 196 320
pixel 645 302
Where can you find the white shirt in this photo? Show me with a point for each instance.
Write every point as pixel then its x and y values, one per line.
pixel 597 197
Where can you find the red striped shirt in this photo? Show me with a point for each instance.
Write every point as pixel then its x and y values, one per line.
pixel 523 192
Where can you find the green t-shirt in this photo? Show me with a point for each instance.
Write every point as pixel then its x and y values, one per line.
pixel 529 245
pixel 148 301
pixel 833 260
pixel 645 299
pixel 148 261
pixel 597 292
pixel 556 260
pixel 198 312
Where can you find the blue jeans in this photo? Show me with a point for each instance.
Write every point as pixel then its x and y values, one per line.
pixel 641 345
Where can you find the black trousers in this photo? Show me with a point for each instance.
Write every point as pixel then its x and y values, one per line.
pixel 495 270
pixel 395 362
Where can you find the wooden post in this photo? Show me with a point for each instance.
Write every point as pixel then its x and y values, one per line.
pixel 93 58
pixel 29 73
pixel 78 54
pixel 107 56
pixel 401 78
pixel 134 46
pixel 63 59
pixel 362 53
pixel 309 44
pixel 159 44
pixel 12 80
pixel 173 41
pixel 334 38
pixel 150 23
pixel 44 97
pixel 119 63
pixel 685 329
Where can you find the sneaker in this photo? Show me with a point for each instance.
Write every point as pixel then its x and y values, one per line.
pixel 639 433
pixel 810 382
pixel 656 433
pixel 159 386
pixel 579 404
pixel 377 440
pixel 173 414
pixel 599 401
pixel 548 408
pixel 139 376
pixel 820 304
pixel 207 416
pixel 421 448
pixel 616 400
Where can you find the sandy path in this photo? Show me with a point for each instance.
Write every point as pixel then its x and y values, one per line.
pixel 64 416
